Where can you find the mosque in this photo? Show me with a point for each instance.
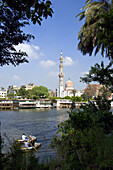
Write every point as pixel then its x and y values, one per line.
pixel 68 91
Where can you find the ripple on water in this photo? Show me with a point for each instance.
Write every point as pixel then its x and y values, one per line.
pixel 42 123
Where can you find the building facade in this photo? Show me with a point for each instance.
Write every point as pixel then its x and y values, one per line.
pixel 12 88
pixel 6 104
pixel 3 94
pixel 29 86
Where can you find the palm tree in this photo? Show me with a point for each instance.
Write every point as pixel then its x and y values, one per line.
pixel 88 34
pixel 112 4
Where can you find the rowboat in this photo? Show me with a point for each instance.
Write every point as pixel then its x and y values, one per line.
pixel 30 138
pixel 35 147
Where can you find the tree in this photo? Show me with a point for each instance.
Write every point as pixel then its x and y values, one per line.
pixel 40 92
pixel 92 90
pixel 105 92
pixel 104 37
pixel 88 35
pixel 22 92
pixel 84 97
pixel 84 142
pixel 10 95
pixel 80 145
pixel 101 74
pixel 13 16
pixel 15 158
pixel 29 94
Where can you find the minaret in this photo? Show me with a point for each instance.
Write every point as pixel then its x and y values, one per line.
pixel 61 75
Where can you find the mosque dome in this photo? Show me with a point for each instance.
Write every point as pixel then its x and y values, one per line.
pixel 69 85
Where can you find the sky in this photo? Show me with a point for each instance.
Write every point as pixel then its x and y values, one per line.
pixel 56 34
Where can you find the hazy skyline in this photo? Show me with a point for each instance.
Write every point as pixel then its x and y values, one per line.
pixel 56 34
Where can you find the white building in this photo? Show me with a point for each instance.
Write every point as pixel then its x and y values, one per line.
pixel 43 103
pixel 29 86
pixel 79 93
pixel 3 94
pixel 68 91
pixel 62 103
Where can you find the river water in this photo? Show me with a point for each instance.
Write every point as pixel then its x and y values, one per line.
pixel 42 123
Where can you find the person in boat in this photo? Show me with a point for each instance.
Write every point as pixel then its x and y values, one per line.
pixel 24 137
pixel 32 143
pixel 26 144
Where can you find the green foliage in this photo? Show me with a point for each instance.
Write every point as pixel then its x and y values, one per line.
pixel 105 41
pixel 29 94
pixel 40 92
pixel 15 158
pixel 53 98
pixel 14 16
pixel 76 99
pixel 10 95
pixel 22 92
pixel 36 93
pixel 84 97
pixel 88 35
pixel 3 158
pixel 85 142
pixel 100 73
pixel 105 92
pixel 67 97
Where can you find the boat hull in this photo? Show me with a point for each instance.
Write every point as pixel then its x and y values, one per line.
pixel 36 146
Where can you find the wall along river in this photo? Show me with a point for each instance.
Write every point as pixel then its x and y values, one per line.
pixel 42 123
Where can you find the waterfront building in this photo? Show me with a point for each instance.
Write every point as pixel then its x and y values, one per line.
pixel 24 104
pixel 62 103
pixel 43 103
pixel 67 103
pixel 3 94
pixel 6 104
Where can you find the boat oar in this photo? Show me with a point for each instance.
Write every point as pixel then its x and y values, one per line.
pixel 34 147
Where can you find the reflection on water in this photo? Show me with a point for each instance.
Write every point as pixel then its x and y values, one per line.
pixel 42 123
